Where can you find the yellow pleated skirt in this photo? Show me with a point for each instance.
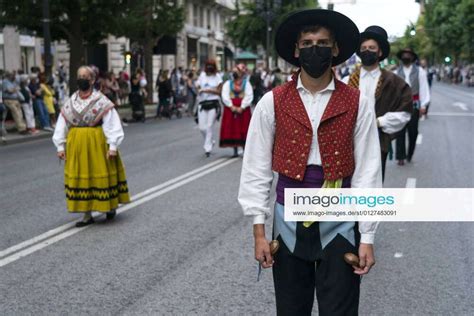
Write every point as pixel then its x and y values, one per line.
pixel 92 182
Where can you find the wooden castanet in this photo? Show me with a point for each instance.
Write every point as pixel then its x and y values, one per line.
pixel 351 259
pixel 274 246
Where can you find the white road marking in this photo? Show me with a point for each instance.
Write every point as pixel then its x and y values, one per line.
pixel 419 139
pixel 461 105
pixel 450 114
pixel 411 183
pixel 39 242
pixel 398 254
pixel 410 194
pixel 67 226
pixel 402 230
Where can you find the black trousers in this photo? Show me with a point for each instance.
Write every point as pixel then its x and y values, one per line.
pixel 336 284
pixel 384 163
pixel 412 129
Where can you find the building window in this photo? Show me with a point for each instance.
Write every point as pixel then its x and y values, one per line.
pixel 195 15
pixel 202 21
pixel 209 19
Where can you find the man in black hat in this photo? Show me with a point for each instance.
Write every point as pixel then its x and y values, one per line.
pixel 314 131
pixel 388 93
pixel 417 79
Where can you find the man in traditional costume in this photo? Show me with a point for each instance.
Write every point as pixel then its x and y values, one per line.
pixel 314 131
pixel 387 93
pixel 209 84
pixel 237 96
pixel 417 79
pixel 87 136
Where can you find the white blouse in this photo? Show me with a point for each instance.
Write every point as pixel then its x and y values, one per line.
pixel 111 126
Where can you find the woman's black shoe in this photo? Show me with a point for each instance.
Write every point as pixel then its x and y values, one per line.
pixel 208 154
pixel 82 223
pixel 110 215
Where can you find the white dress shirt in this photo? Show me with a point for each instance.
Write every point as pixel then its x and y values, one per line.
pixel 390 122
pixel 257 175
pixel 248 95
pixel 423 80
pixel 111 126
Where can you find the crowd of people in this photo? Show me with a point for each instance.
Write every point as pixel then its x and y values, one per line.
pixel 33 100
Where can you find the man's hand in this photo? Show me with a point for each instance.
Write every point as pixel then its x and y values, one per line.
pixel 262 247
pixel 366 259
pixel 262 252
pixel 422 111
pixel 61 155
pixel 111 154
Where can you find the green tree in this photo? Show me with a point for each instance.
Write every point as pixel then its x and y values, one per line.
pixel 420 42
pixel 81 23
pixel 450 25
pixel 145 22
pixel 248 29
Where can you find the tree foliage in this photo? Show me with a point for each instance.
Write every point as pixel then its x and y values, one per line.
pixel 446 29
pixel 248 28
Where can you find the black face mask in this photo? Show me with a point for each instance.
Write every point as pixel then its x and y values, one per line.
pixel 235 75
pixel 83 84
pixel 210 69
pixel 406 61
pixel 368 57
pixel 315 60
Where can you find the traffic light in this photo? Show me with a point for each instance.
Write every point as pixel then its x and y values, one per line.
pixel 128 57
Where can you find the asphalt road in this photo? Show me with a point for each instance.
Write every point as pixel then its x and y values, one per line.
pixel 187 250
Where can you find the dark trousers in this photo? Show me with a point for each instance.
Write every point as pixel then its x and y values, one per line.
pixel 337 286
pixel 412 129
pixel 384 162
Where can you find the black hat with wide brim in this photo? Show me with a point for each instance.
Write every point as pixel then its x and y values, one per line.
pixel 378 34
pixel 407 50
pixel 345 32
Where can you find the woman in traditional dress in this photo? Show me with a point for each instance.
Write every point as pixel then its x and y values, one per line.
pixel 237 96
pixel 87 136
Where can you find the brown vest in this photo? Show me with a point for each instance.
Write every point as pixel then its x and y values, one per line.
pixel 294 134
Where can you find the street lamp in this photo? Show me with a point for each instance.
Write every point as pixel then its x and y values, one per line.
pixel 268 10
pixel 413 31
pixel 447 59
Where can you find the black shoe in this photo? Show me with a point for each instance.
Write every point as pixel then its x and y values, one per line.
pixel 110 215
pixel 208 154
pixel 82 223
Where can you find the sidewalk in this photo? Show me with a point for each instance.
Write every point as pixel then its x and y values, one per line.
pixel 14 138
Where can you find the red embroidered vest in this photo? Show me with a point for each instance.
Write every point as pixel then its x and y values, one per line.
pixel 294 134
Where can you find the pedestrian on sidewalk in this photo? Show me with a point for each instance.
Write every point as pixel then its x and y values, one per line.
pixel 38 104
pixel 87 136
pixel 387 93
pixel 314 131
pixel 110 87
pixel 237 96
pixel 136 100
pixel 27 105
pixel 11 99
pixel 191 94
pixel 165 92
pixel 124 84
pixel 417 79
pixel 209 86
pixel 3 110
pixel 47 93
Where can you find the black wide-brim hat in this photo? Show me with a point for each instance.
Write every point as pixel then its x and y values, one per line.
pixel 407 50
pixel 378 34
pixel 345 32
